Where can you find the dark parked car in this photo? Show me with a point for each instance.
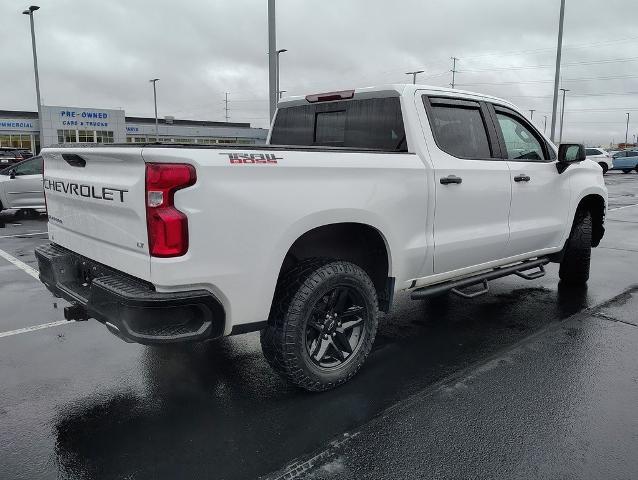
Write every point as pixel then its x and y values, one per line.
pixel 11 155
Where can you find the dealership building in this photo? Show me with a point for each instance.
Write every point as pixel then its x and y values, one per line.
pixel 92 125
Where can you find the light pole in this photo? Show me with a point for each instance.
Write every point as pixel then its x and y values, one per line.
pixel 281 92
pixel 545 125
pixel 531 114
pixel 414 74
pixel 281 50
pixel 154 81
pixel 272 59
pixel 557 74
pixel 29 12
pixel 562 115
pixel 627 131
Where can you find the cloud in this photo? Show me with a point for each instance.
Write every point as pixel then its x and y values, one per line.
pixel 101 54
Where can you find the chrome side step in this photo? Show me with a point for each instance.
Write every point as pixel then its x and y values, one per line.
pixel 458 286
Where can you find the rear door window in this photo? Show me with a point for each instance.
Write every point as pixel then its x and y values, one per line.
pixel 375 123
pixel 459 127
pixel 592 151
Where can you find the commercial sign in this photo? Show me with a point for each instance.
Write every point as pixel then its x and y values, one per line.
pixel 17 124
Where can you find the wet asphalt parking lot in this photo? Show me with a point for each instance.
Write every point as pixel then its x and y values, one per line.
pixel 76 402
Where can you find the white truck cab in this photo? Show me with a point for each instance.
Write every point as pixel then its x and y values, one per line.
pixel 358 194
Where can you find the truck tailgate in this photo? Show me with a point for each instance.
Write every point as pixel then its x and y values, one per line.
pixel 96 205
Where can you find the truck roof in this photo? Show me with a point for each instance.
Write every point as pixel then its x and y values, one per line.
pixel 400 89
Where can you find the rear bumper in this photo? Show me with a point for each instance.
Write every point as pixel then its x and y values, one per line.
pixel 129 307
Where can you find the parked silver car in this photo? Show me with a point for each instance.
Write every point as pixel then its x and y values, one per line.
pixel 21 185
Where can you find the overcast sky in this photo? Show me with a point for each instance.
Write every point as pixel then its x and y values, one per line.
pixel 102 53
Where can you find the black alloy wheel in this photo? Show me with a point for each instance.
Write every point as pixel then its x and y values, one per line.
pixel 322 323
pixel 334 331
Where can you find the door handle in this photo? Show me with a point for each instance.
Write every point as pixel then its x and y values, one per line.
pixel 451 179
pixel 522 178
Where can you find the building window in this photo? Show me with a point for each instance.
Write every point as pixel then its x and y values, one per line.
pixel 67 136
pixel 226 140
pixel 17 140
pixel 103 136
pixel 86 136
pixel 129 139
pixel 140 140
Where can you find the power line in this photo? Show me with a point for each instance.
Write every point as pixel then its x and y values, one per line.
pixel 551 49
pixel 567 64
pixel 526 82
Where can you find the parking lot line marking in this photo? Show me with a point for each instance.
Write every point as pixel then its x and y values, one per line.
pixel 20 264
pixel 35 328
pixel 620 208
pixel 23 235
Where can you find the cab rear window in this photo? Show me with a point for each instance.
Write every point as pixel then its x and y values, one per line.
pixel 375 123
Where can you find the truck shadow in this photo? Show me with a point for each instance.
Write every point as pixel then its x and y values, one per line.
pixel 217 410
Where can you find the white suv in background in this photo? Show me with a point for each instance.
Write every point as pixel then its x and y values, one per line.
pixel 601 157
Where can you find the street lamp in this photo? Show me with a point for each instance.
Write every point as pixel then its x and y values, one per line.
pixel 531 114
pixel 562 115
pixel 545 125
pixel 282 50
pixel 154 81
pixel 281 92
pixel 272 59
pixel 557 70
pixel 29 12
pixel 627 131
pixel 414 74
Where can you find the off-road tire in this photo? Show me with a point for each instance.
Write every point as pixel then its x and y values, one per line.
pixel 574 268
pixel 604 167
pixel 283 341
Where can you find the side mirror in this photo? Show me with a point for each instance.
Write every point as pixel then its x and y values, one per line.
pixel 12 173
pixel 569 153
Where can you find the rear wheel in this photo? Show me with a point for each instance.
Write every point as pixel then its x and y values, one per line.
pixel 574 268
pixel 322 324
pixel 626 170
pixel 604 167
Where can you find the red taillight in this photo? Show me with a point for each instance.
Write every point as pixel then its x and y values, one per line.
pixel 167 226
pixel 330 96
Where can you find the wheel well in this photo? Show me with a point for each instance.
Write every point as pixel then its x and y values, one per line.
pixel 595 204
pixel 360 244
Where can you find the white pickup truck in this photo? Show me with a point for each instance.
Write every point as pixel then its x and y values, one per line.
pixel 357 195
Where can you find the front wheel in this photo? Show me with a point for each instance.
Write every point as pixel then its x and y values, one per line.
pixel 574 268
pixel 604 167
pixel 322 324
